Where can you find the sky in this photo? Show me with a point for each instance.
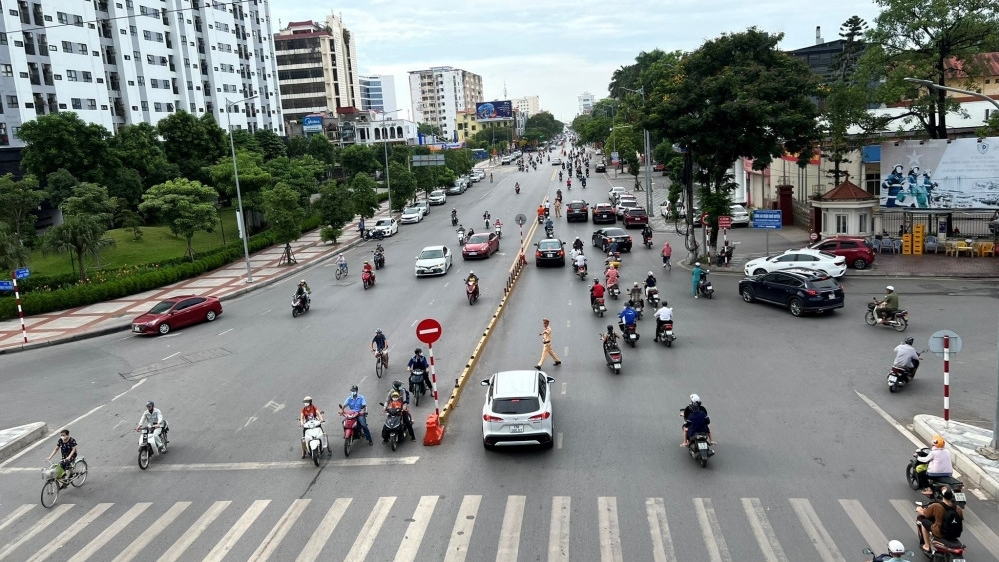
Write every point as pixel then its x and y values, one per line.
pixel 554 49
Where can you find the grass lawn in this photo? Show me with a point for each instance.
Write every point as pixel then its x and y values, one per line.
pixel 155 245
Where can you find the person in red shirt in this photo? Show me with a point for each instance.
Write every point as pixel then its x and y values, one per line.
pixel 309 411
pixel 596 292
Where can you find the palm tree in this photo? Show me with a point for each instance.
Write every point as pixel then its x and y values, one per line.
pixel 79 234
pixel 13 254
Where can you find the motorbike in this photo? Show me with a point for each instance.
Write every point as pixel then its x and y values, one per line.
pixel 900 376
pixel 379 259
pixel 725 255
pixel 941 549
pixel 498 230
pixel 898 319
pixel 541 218
pixel 580 271
pixel 461 237
pixel 299 305
pixel 367 279
pixel 629 334
pixel 394 430
pixel 373 235
pixel 699 447
pixel 666 334
pixel 315 440
pixel 614 291
pixel 653 297
pixel 937 484
pixel 488 224
pixel 472 291
pixel 612 353
pixel 550 231
pixel 882 557
pixel 647 240
pixel 599 308
pixel 351 429
pixel 454 220
pixel 417 386
pixel 704 286
pixel 146 441
pixel 517 189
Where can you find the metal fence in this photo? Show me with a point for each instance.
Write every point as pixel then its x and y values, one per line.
pixel 971 224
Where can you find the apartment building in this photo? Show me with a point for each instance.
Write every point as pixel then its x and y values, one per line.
pixel 528 105
pixel 439 93
pixel 317 67
pixel 137 61
pixel 586 101
pixel 378 93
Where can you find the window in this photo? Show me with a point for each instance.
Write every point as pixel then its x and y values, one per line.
pixel 141 80
pixel 6 70
pixel 159 37
pixel 841 224
pixel 67 47
pixel 62 17
pixel 11 101
pixel 157 107
pixel 87 76
pixel 3 38
pixel 145 106
pixel 77 103
pixel 862 217
pixel 78 21
pixel 71 76
pixel 133 30
pixel 83 48
pixel 147 35
pixel 190 85
pixel 154 83
pixel 91 104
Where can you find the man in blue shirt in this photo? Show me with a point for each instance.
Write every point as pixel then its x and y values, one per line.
pixel 357 403
pixel 628 316
pixel 419 362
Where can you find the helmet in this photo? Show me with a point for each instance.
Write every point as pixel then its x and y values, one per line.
pixel 307 399
pixel 395 395
pixel 577 238
pixel 889 288
pixel 417 351
pixel 636 283
pixel 470 272
pixel 397 385
pixel 596 281
pixel 909 340
pixel 695 399
pixel 650 274
pixel 697 264
pixel 938 441
pixel 149 404
pixel 895 547
pixel 378 331
pixel 302 282
pixel 353 388
pixel 367 263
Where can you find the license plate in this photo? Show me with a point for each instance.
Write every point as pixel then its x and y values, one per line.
pixel 958 560
pixel 136 328
pixel 669 333
pixel 473 253
pixel 617 365
pixel 517 428
pixel 831 296
pixel 702 445
pixel 892 379
pixel 959 496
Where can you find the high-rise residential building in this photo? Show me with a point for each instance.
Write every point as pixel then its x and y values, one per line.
pixel 586 101
pixel 317 67
pixel 439 93
pixel 137 61
pixel 527 105
pixel 378 93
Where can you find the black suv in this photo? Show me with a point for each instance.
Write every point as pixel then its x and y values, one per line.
pixel 799 289
pixel 601 167
pixel 576 211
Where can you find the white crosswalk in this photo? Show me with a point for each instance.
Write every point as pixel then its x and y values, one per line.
pixel 393 529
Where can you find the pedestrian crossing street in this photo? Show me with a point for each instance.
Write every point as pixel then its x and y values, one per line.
pixel 468 528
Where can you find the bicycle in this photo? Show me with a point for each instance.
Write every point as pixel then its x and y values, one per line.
pixel 341 271
pixel 57 479
pixel 381 362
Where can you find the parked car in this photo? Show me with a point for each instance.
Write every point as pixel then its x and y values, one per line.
pixel 577 211
pixel 411 215
pixel 624 203
pixel 600 167
pixel 480 245
pixel 635 216
pixel 518 409
pixel 437 197
pixel 457 189
pixel 658 167
pixel 388 227
pixel 614 192
pixel 740 216
pixel 507 159
pixel 806 258
pixel 478 175
pixel 433 260
pixel 551 251
pixel 604 212
pixel 859 253
pixel 800 290
pixel 603 237
pixel 177 312
pixel 423 205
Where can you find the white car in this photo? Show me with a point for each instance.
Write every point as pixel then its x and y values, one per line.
pixel 424 206
pixel 518 409
pixel 388 227
pixel 437 197
pixel 740 216
pixel 624 203
pixel 412 215
pixel 614 193
pixel 556 161
pixel 834 266
pixel 433 260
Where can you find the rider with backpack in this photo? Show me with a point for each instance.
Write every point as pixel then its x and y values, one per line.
pixel 943 519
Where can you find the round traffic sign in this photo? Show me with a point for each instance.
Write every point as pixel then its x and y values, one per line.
pixel 813 237
pixel 520 219
pixel 936 343
pixel 428 330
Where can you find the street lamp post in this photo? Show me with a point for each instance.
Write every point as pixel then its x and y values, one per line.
pixel 239 197
pixel 994 445
pixel 648 157
pixel 388 180
pixel 614 139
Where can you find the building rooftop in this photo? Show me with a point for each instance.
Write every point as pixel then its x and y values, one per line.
pixel 846 191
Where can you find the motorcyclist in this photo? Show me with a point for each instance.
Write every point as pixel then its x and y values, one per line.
pixel 486 217
pixel 420 362
pixel 696 278
pixel 560 174
pixel 549 226
pixel 380 343
pixel 610 276
pixel 366 268
pixel 696 420
pixel 613 260
pixel 309 412
pixel 498 225
pixel 454 213
pixel 396 401
pixel 596 292
pixel 558 195
pixel 577 244
pixel 474 279
pixel 647 233
pixel 403 392
pixel 568 183
pixel 582 181
pixel 303 292
pixel 906 357
pixel 627 317
pixel 650 283
pixel 541 212
pixel 895 552
pixel 609 337
pixel 580 262
pixel 931 519
pixel 461 232
pixel 357 403
pixel 887 305
pixel 667 253
pixel 153 418
pixel 663 315
pixel 635 294
pixel 938 464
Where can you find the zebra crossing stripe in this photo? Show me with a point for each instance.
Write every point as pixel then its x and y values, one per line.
pixel 461 534
pixel 982 532
pixel 111 532
pixel 235 532
pixel 609 530
pixel 864 522
pixel 175 552
pixel 816 532
pixel 765 535
pixel 34 530
pixel 711 530
pixel 558 533
pixel 509 539
pixel 417 528
pixel 69 532
pixel 310 552
pixel 662 541
pixel 14 515
pixel 278 532
pixel 151 532
pixel 366 537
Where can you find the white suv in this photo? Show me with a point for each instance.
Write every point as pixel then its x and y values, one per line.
pixel 518 409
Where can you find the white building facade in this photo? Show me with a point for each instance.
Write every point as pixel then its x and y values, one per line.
pixel 528 105
pixel 586 101
pixel 137 61
pixel 439 93
pixel 378 93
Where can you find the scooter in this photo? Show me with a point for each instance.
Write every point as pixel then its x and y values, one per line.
pixel 417 386
pixel 900 376
pixel 367 279
pixel 373 235
pixel 882 557
pixel 393 430
pixel 299 305
pixel 351 429
pixel 614 291
pixel 941 549
pixel 700 448
pixel 666 333
pixel 937 484
pixel 472 292
pixel 498 229
pixel 550 231
pixel 379 259
pixel 725 255
pixel 898 319
pixel 146 441
pixel 599 308
pixel 517 189
pixel 629 334
pixel 647 240
pixel 704 286
pixel 315 440
pixel 580 271
pixel 461 237
pixel 454 220
pixel 652 295
pixel 612 354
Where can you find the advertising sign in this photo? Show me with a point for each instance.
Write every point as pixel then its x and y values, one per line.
pixel 494 111
pixel 767 218
pixel 347 132
pixel 312 124
pixel 940 174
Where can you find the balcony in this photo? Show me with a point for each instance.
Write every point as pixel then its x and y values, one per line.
pixel 102 6
pixel 53 104
pixel 47 77
pixel 38 15
pixel 118 108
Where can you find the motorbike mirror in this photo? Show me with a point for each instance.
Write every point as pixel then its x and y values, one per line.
pixel 537 244
pixel 322 411
pixel 868 551
pixel 381 403
pixel 339 405
pixel 484 382
pixel 551 379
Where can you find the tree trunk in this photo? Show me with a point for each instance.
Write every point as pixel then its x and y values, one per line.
pixel 83 270
pixel 190 249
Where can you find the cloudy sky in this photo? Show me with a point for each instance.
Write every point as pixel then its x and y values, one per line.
pixel 555 49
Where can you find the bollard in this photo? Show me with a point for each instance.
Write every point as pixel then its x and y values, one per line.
pixel 946 370
pixel 434 432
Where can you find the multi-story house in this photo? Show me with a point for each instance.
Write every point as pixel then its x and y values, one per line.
pixel 528 105
pixel 439 93
pixel 378 93
pixel 586 101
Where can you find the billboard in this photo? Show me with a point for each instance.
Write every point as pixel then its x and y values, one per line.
pixel 312 124
pixel 347 132
pixel 940 174
pixel 494 111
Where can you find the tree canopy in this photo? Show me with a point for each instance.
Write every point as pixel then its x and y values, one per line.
pixel 185 206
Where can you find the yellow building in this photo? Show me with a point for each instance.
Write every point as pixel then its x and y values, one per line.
pixel 466 125
pixel 985 68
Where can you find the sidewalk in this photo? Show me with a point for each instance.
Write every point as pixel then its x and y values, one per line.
pixel 965 443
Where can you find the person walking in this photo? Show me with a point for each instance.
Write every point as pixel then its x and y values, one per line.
pixel 546 341
pixel 558 208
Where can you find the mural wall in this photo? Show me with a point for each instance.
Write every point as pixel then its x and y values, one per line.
pixel 940 174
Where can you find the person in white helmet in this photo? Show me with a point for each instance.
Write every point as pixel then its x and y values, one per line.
pixel 895 552
pixel 887 305
pixel 695 420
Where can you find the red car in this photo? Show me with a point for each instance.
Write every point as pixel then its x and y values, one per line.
pixel 480 246
pixel 635 216
pixel 177 312
pixel 858 252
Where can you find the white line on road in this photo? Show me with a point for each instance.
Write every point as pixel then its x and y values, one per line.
pixel 235 466
pixel 431 303
pixel 151 532
pixel 170 356
pixel 226 332
pixel 564 386
pixel 278 532
pixel 69 532
pixel 14 515
pixel 608 529
pixel 366 536
pixel 711 530
pixel 417 528
pixel 565 351
pixel 662 540
pixel 111 532
pixel 558 534
pixel 765 535
pixel 322 533
pixel 461 534
pixel 448 283
pixel 236 531
pixel 558 440
pixel 414 323
pixel 568 323
pixel 901 428
pixel 821 539
pixel 185 541
pixel 266 312
pixel 509 539
pixel 121 339
pixel 863 522
pixel 35 529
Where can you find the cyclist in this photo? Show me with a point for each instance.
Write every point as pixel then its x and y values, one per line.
pixel 67 448
pixel 380 343
pixel 341 262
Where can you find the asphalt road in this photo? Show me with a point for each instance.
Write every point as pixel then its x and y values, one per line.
pixel 806 467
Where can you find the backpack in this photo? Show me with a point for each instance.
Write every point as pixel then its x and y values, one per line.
pixel 951 525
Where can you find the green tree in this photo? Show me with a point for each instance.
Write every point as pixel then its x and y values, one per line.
pixel 91 200
pixel 459 161
pixel 403 185
pixel 546 123
pixel 334 204
pixel 245 140
pixel 271 144
pixel 991 129
pixel 126 186
pixel 79 236
pixel 18 201
pixel 131 220
pixel 253 179
pixel 191 143
pixel 298 146
pixel 59 186
pixel 284 214
pixel 63 140
pixel 301 174
pixel 445 177
pixel 320 148
pixel 629 77
pixel 140 149
pixel 359 159
pixel 363 195
pixel 185 206
pixel 428 129
pixel 13 254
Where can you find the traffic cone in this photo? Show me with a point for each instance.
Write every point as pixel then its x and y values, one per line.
pixel 434 432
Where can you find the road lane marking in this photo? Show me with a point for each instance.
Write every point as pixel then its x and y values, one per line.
pixel 111 532
pixel 558 534
pixel 417 528
pixel 266 312
pixel 225 332
pixel 310 552
pixel 14 515
pixel 68 533
pixel 711 530
pixel 234 466
pixel 366 536
pixel 236 532
pixel 185 541
pixel 982 532
pixel 121 339
pixel 765 535
pixel 863 522
pixel 816 532
pixel 609 530
pixel 887 417
pixel 662 541
pixel 565 351
pixel 34 530
pixel 151 532
pixel 461 534
pixel 564 386
pixel 509 539
pixel 558 440
pixel 568 323
pixel 414 322
pixel 278 531
pixel 170 356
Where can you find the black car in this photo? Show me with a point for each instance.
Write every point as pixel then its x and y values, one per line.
pixel 551 251
pixel 576 211
pixel 601 167
pixel 602 239
pixel 604 212
pixel 799 289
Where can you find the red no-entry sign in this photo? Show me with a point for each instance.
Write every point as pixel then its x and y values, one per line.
pixel 428 331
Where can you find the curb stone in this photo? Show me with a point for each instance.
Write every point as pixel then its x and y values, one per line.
pixel 963 458
pixel 20 437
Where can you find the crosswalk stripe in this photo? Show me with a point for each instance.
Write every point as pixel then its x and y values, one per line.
pixel 864 523
pixel 278 532
pixel 816 532
pixel 34 530
pixel 608 529
pixel 366 536
pixel 69 532
pixel 310 552
pixel 86 552
pixel 711 530
pixel 461 534
pixel 906 509
pixel 558 534
pixel 509 539
pixel 14 515
pixel 662 541
pixel 193 532
pixel 236 531
pixel 417 528
pixel 982 532
pixel 151 532
pixel 765 535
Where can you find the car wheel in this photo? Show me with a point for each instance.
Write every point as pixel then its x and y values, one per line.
pixel 562 263
pixel 164 329
pixel 537 263
pixel 759 271
pixel 860 263
pixel 748 295
pixel 795 306
pixel 210 317
pixel 486 446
